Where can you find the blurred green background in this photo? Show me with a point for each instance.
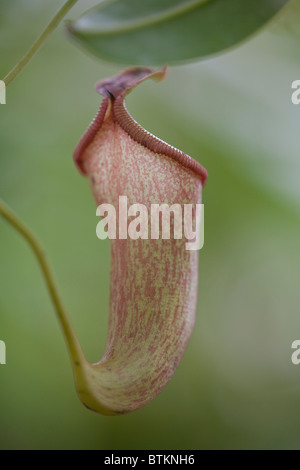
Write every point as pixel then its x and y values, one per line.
pixel 236 386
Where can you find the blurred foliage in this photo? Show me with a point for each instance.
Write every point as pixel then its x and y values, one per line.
pixel 236 386
pixel 155 32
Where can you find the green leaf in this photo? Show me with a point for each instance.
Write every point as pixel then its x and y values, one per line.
pixel 168 31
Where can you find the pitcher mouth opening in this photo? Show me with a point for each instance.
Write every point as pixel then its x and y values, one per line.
pixel 114 91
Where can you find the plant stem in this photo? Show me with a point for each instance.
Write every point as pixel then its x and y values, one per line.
pixel 39 42
pixel 71 339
